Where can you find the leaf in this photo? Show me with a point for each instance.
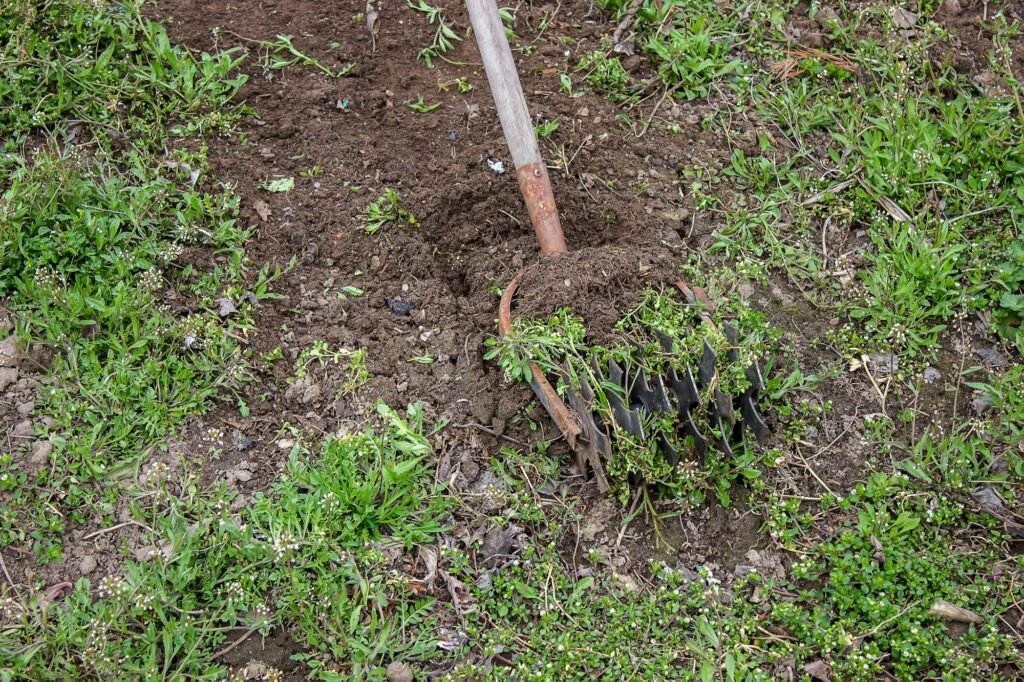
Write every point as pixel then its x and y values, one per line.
pixel 279 185
pixel 818 670
pixel 914 470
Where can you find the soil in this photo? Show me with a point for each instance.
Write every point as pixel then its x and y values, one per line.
pixel 629 222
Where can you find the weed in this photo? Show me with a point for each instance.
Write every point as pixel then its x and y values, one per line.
pixel 353 361
pixel 386 209
pixel 606 75
pixel 546 129
pixel 282 53
pixel 307 556
pixel 444 37
pixel 421 106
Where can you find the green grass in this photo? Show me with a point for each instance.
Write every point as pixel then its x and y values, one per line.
pixel 310 556
pixel 93 231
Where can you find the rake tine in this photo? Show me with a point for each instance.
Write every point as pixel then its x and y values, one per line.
pixel 706 367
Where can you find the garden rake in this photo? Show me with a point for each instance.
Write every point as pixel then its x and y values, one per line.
pixel 677 392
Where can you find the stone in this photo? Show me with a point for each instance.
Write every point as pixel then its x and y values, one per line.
pixel 10 354
pixel 399 672
pixel 24 429
pixel 8 375
pixel 311 394
pixel 144 554
pixel 87 565
pixel 25 408
pixel 41 451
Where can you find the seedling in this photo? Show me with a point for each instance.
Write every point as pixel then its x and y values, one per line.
pixel 421 106
pixel 282 53
pixel 386 209
pixel 444 37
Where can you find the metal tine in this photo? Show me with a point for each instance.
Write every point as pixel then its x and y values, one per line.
pixel 724 408
pixel 654 399
pixel 756 379
pixel 700 442
pixel 706 368
pixel 595 431
pixel 625 416
pixel 670 454
pixel 723 438
pixel 665 341
pixel 732 335
pixel 752 417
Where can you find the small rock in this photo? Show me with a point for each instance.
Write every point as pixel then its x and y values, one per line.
pixel 627 583
pixel 87 565
pixel 245 443
pixel 144 554
pixel 298 388
pixel 982 405
pixel 399 307
pixel 285 443
pixel 241 475
pixel 399 672
pixel 884 363
pixel 41 451
pixel 10 354
pixel 24 429
pixel 991 355
pixel 310 253
pixel 904 18
pixel 225 307
pixel 311 394
pixel 498 543
pixel 25 408
pixel 402 386
pixel 8 375
pixel 931 375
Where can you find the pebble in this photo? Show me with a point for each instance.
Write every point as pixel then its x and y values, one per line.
pixel 88 564
pixel 399 672
pixel 144 554
pixel 10 354
pixel 8 375
pixel 311 394
pixel 41 451
pixel 24 429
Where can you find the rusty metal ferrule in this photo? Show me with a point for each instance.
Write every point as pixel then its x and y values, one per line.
pixel 540 203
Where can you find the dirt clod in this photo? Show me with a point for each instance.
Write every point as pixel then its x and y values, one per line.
pixel 87 565
pixel 10 354
pixel 399 672
pixel 8 375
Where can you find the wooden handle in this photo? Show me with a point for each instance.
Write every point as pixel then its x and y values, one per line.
pixel 516 124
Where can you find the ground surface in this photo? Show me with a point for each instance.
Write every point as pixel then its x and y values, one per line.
pixel 890 482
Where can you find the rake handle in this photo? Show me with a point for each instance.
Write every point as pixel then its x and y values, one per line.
pixel 516 124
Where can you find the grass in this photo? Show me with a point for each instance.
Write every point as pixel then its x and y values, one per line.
pixel 309 556
pixel 92 239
